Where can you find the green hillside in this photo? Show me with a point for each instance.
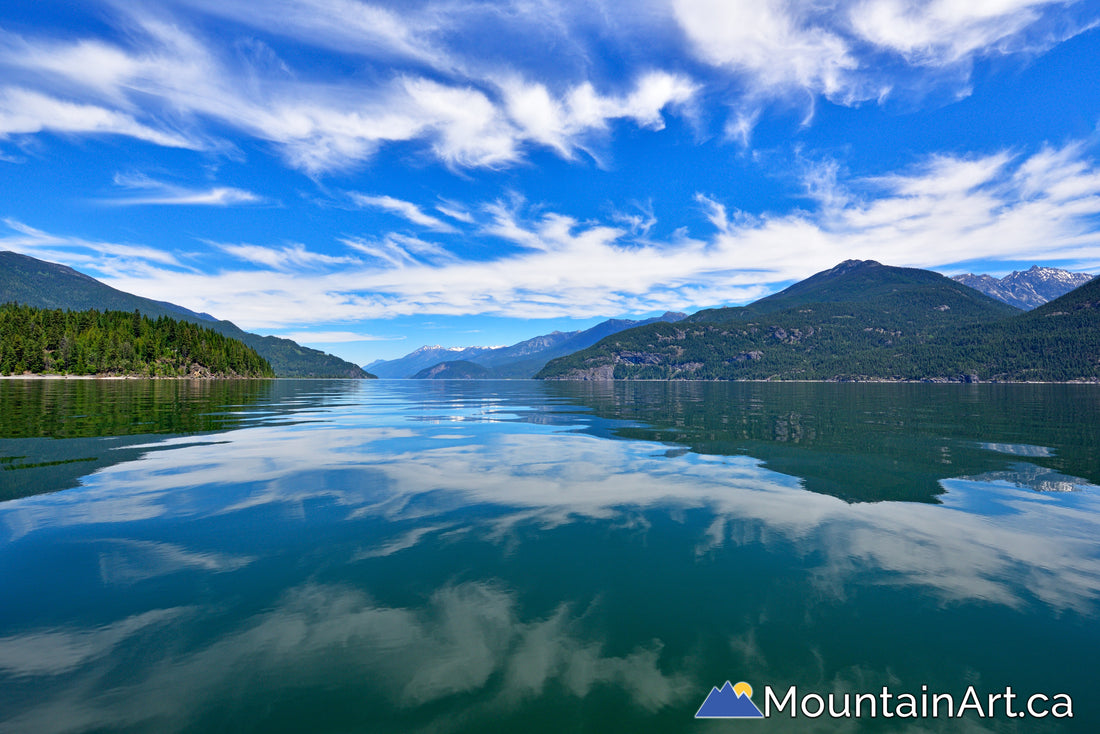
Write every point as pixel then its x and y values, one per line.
pixel 858 321
pixel 48 285
pixel 91 342
pixel 896 292
pixel 1057 342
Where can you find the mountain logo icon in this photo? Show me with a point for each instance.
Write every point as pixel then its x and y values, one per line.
pixel 729 702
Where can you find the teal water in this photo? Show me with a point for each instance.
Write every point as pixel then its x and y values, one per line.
pixel 407 556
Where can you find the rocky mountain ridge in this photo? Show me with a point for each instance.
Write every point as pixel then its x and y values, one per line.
pixel 1026 289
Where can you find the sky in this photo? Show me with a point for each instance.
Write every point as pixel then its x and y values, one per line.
pixel 369 177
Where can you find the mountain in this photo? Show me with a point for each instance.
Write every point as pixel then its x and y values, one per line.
pixel 1058 341
pixel 42 284
pixel 1026 289
pixel 518 361
pixel 863 283
pixel 458 369
pixel 420 359
pixel 859 321
pixel 51 341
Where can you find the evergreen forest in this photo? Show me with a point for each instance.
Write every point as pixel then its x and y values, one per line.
pixel 117 343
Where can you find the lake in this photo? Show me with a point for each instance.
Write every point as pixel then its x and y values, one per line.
pixel 418 556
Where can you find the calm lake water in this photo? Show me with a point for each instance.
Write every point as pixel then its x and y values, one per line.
pixel 406 556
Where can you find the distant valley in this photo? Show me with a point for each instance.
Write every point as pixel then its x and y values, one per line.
pixel 518 361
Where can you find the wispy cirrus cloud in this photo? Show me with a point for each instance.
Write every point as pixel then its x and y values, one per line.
pixel 398 250
pixel 404 209
pixel 290 257
pixel 947 33
pixel 148 191
pixel 938 214
pixel 25 111
pixel 854 51
pixel 335 337
pixel 455 211
pixel 104 256
pixel 466 120
pixel 346 26
pixel 443 75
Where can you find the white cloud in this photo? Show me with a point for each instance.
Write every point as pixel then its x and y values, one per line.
pixel 398 250
pixel 88 86
pixel 157 192
pixel 455 211
pixel 943 32
pixel 334 337
pixel 292 257
pixel 75 251
pixel 24 111
pixel 401 208
pixel 217 196
pixel 562 124
pixel 431 77
pixel 778 44
pixel 859 50
pixel 942 212
pixel 346 26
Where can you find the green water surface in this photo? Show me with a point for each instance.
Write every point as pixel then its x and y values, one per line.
pixel 418 556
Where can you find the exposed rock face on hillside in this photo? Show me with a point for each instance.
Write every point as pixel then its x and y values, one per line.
pixel 1026 289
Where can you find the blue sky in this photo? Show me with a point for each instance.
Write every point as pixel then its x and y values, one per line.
pixel 368 177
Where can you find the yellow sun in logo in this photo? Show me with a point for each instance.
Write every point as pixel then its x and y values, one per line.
pixel 743 688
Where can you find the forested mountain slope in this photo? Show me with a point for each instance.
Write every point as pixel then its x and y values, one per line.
pixel 92 342
pixel 858 321
pixel 33 282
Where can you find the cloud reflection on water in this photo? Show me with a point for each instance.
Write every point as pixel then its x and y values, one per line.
pixel 532 475
pixel 469 637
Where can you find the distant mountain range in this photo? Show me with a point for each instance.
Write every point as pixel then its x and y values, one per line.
pixel 1026 289
pixel 420 359
pixel 860 320
pixel 521 360
pixel 42 284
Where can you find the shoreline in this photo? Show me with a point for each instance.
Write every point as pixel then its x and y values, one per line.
pixel 31 376
pixel 883 381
